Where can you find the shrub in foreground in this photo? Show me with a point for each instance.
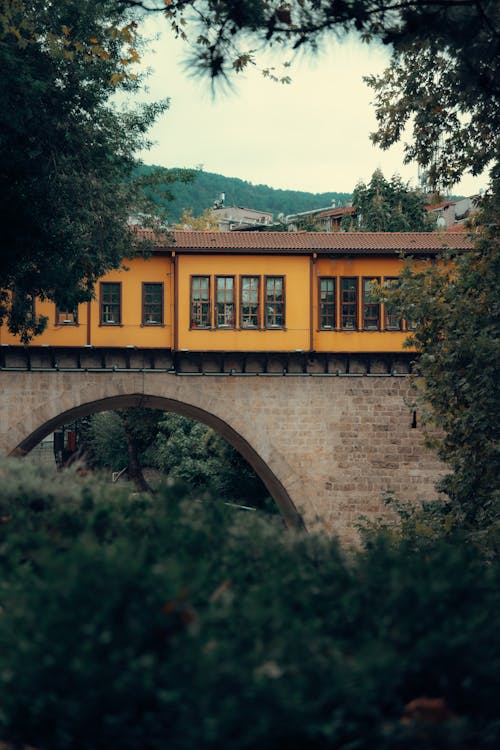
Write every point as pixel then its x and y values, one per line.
pixel 142 623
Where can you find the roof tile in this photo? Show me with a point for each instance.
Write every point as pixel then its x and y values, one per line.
pixel 320 242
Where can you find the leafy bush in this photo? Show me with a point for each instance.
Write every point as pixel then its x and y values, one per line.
pixel 137 622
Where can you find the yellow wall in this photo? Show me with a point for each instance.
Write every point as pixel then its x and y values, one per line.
pixel 130 332
pixel 296 273
pixel 301 276
pixel 355 341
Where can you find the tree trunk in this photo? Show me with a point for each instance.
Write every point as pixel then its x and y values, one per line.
pixel 134 464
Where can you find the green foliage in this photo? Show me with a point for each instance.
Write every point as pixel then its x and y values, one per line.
pixel 431 89
pixel 194 453
pixel 105 438
pixel 182 449
pixel 455 307
pixel 207 185
pixel 66 150
pixel 387 206
pixel 168 622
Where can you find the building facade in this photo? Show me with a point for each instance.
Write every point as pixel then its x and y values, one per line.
pixel 241 291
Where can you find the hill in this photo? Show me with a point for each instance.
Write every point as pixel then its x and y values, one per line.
pixel 201 193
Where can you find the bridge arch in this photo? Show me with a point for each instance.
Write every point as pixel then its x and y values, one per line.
pixel 328 448
pixel 125 401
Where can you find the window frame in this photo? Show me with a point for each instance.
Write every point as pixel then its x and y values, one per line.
pixel 66 322
pixel 193 325
pixel 102 286
pixel 385 309
pixel 354 304
pixel 152 323
pixel 332 305
pixel 251 327
pixel 225 303
pixel 368 304
pixel 283 303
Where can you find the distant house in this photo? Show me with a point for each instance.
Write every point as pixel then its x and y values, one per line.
pixel 232 218
pixel 320 219
pixel 451 215
pixel 331 219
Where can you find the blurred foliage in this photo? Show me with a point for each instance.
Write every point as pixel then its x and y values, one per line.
pixel 136 622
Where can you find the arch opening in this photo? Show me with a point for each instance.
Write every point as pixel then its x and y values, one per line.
pixel 125 401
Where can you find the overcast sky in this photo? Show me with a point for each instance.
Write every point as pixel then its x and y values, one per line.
pixel 310 135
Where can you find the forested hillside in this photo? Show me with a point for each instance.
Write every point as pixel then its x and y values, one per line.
pixel 201 193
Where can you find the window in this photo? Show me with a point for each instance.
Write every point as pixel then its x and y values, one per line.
pixel 349 303
pixel 23 303
pixel 249 302
pixel 327 303
pixel 224 301
pixel 275 302
pixel 200 302
pixel 152 304
pixel 371 306
pixel 66 317
pixel 392 318
pixel 111 299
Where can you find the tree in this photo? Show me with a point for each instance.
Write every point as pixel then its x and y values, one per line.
pixel 455 308
pixel 181 448
pixel 449 114
pixel 194 453
pixel 66 150
pixel 387 206
pixel 123 438
pixel 206 221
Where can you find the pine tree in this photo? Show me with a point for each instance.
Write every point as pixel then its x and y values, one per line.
pixel 387 206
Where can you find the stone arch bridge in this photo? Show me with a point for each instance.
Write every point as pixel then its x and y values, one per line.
pixel 328 435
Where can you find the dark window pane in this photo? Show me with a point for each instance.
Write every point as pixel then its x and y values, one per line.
pixel 225 302
pixel 152 304
pixel 249 312
pixel 349 303
pixel 200 302
pixel 371 306
pixel 392 317
pixel 110 303
pixel 275 302
pixel 327 303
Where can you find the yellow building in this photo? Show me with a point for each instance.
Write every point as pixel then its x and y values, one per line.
pixel 248 292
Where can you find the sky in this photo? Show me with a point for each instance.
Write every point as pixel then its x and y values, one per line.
pixel 311 135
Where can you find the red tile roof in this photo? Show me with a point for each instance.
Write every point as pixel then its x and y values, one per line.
pixel 336 212
pixel 435 206
pixel 459 226
pixel 324 243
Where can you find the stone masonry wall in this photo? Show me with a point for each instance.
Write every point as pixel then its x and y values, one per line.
pixel 330 445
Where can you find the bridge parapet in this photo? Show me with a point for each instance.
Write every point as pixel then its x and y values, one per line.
pixel 112 359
